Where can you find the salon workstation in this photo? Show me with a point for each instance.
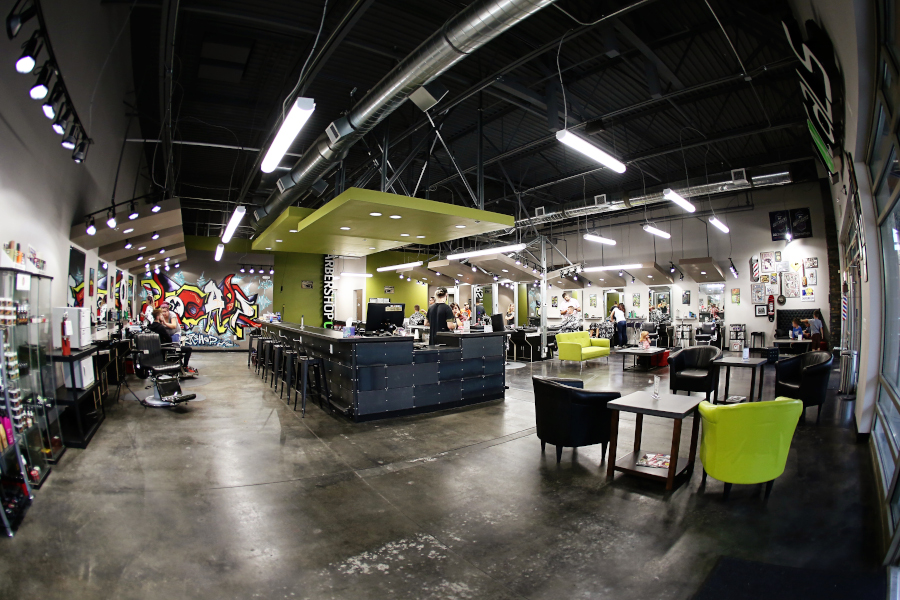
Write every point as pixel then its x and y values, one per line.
pixel 487 299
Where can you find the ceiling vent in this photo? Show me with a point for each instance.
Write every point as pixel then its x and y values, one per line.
pixel 600 200
pixel 540 211
pixel 338 129
pixel 739 176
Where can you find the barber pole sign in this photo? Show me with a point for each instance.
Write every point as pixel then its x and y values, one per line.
pixel 844 308
pixel 754 269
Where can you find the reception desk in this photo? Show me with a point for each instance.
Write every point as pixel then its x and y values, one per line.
pixel 385 376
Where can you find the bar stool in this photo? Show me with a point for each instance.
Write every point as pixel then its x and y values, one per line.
pixel 266 352
pixel 289 368
pixel 304 384
pixel 255 335
pixel 277 353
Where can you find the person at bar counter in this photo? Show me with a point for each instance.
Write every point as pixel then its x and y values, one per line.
pixel 510 315
pixel 438 315
pixel 417 317
pixel 468 310
pixel 459 315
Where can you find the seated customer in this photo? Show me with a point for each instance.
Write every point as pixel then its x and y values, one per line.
pixel 571 321
pixel 164 338
pixel 645 340
pixel 797 330
pixel 418 317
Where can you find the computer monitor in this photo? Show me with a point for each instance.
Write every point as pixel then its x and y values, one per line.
pixel 497 322
pixel 381 316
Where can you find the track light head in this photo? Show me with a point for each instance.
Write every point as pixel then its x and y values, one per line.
pixel 474 270
pixel 50 104
pixel 271 271
pixel 40 88
pixel 30 50
pixel 90 228
pixel 80 152
pixel 133 211
pixel 128 244
pixel 155 236
pixel 621 273
pixel 111 218
pixel 15 20
pixel 71 138
pixel 243 270
pixel 252 270
pixel 61 122
pixel 177 265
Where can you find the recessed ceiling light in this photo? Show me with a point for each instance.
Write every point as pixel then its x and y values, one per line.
pixel 460 226
pixel 268 248
pixel 140 258
pixel 459 274
pixel 372 248
pixel 345 229
pixel 404 235
pixel 421 237
pixel 375 214
pixel 292 231
pixel 162 250
pixel 703 272
pixel 129 230
pixel 395 216
pixel 650 276
pixel 505 270
pixel 602 280
pixel 279 241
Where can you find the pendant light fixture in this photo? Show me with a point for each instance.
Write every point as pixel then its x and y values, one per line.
pixel 651 229
pixel 599 239
pixel 296 118
pixel 591 151
pixel 233 223
pixel 719 224
pixel 500 250
pixel 675 197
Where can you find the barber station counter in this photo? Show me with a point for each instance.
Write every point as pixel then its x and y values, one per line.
pixel 377 377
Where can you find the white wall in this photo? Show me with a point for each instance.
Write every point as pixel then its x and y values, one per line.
pixel 345 309
pixel 750 234
pixel 42 190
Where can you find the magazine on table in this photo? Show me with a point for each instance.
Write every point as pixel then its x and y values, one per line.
pixel 650 459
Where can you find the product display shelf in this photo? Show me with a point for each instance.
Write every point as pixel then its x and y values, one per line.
pixel 24 315
pixel 737 337
pixel 84 406
pixel 15 489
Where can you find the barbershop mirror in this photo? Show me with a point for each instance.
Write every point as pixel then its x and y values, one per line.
pixel 661 298
pixel 712 294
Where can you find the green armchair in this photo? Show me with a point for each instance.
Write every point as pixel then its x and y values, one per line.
pixel 580 346
pixel 747 443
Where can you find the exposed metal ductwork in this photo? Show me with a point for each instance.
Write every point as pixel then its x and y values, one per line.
pixel 479 23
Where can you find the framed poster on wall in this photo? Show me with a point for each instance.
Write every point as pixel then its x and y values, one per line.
pixel 75 295
pixel 801 225
pixel 780 224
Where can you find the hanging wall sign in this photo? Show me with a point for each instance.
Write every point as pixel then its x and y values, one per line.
pixel 801 225
pixel 780 223
pixel 822 87
pixel 328 290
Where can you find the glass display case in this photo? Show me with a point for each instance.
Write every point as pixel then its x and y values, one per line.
pixel 26 306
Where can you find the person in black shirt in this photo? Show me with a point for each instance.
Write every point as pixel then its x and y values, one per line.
pixel 164 337
pixel 438 315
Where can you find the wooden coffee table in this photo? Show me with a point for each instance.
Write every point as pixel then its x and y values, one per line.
pixel 750 363
pixel 635 352
pixel 668 406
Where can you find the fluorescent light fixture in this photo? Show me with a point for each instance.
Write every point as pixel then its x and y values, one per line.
pixel 576 143
pixel 396 217
pixel 612 268
pixel 346 274
pixel 719 224
pixel 219 250
pixel 293 123
pixel 651 229
pixel 396 267
pixel 345 229
pixel 675 197
pixel 501 249
pixel 599 239
pixel 233 223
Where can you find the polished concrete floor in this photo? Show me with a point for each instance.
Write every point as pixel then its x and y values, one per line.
pixel 238 497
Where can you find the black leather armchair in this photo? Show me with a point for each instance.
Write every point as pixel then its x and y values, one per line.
pixel 804 377
pixel 691 370
pixel 569 416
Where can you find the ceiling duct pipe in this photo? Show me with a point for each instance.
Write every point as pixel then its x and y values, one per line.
pixel 479 23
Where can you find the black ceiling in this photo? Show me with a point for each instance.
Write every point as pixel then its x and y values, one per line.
pixel 659 87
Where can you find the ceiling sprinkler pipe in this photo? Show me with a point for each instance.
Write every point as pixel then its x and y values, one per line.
pixel 475 26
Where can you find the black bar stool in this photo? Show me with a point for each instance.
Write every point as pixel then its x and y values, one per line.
pixel 266 356
pixel 289 368
pixel 254 336
pixel 306 366
pixel 277 353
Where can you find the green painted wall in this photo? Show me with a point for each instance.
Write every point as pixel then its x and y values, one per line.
pixel 522 306
pixel 409 293
pixel 290 271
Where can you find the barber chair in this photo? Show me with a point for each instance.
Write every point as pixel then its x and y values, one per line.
pixel 163 372
pixel 705 334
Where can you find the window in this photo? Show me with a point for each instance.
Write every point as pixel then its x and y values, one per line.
pixel 884 452
pixel 880 147
pixel 890 243
pixel 884 192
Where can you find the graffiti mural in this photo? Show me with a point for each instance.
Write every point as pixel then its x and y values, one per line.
pixel 76 278
pixel 120 284
pixel 210 313
pixel 102 286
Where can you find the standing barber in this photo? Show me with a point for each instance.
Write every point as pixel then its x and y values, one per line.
pixel 438 315
pixel 617 316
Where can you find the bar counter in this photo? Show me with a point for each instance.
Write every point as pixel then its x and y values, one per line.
pixel 378 377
